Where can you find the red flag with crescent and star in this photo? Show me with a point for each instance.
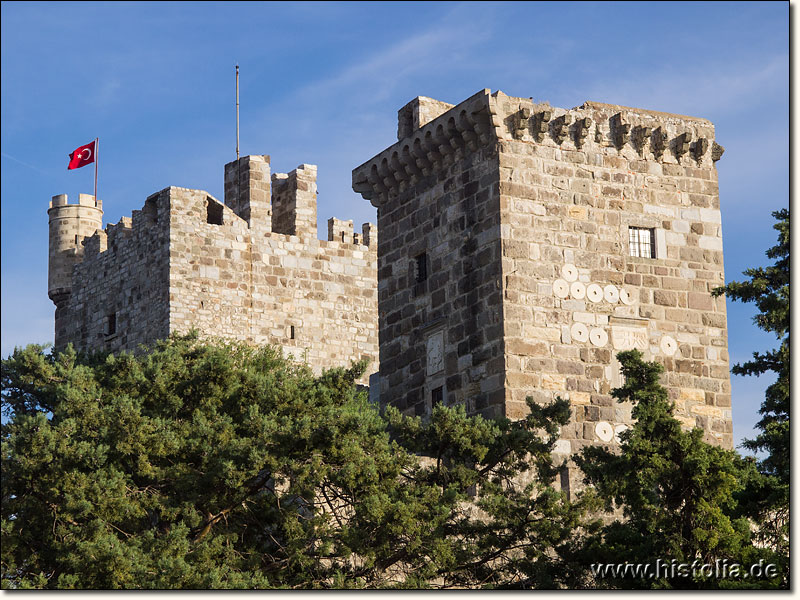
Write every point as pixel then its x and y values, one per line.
pixel 82 156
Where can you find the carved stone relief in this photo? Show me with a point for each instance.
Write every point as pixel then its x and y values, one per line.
pixel 435 351
pixel 629 338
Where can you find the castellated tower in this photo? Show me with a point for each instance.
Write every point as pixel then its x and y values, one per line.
pixel 70 225
pixel 250 269
pixel 523 246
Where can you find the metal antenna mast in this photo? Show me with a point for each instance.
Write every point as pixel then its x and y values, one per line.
pixel 237 112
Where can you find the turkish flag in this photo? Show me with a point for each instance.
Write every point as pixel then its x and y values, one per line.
pixel 82 156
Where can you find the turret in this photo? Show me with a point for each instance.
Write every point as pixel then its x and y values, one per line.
pixel 70 224
pixel 247 191
pixel 294 202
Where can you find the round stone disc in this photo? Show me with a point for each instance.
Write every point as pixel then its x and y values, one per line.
pixel 579 332
pixel 598 337
pixel 577 290
pixel 617 430
pixel 560 288
pixel 626 296
pixel 668 345
pixel 569 272
pixel 604 431
pixel 611 294
pixel 594 292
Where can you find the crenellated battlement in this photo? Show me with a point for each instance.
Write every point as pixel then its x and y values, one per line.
pixel 433 135
pixel 251 269
pixel 294 202
pixel 87 200
pixel 94 245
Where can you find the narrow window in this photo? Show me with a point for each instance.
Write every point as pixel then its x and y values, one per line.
pixel 437 396
pixel 111 325
pixel 291 332
pixel 422 267
pixel 565 481
pixel 76 240
pixel 214 214
pixel 642 242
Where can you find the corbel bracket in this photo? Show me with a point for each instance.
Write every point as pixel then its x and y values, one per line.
pixel 561 127
pixel 682 143
pixel 582 130
pixel 541 124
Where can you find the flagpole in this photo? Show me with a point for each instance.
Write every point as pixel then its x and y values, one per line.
pixel 96 160
pixel 237 112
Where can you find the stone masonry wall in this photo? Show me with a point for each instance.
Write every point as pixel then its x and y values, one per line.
pixel 452 218
pixel 186 261
pixel 315 299
pixel 120 290
pixel 294 202
pixel 446 331
pixel 570 185
pixel 573 297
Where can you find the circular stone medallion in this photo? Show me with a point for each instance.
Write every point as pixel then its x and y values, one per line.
pixel 577 290
pixel 598 337
pixel 560 288
pixel 579 332
pixel 594 292
pixel 611 294
pixel 617 430
pixel 604 431
pixel 626 296
pixel 668 345
pixel 569 272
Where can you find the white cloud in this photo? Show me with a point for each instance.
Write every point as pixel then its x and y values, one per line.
pixel 24 164
pixel 383 71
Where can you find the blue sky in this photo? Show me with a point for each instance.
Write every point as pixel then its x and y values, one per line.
pixel 321 84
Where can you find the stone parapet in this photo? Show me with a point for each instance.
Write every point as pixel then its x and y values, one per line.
pixel 247 191
pixel 434 145
pixel 487 118
pixel 294 202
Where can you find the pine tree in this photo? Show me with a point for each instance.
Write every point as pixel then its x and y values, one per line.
pixel 768 288
pixel 217 465
pixel 678 494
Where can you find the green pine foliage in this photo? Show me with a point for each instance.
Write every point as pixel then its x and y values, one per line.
pixel 217 465
pixel 768 288
pixel 678 495
pixel 502 524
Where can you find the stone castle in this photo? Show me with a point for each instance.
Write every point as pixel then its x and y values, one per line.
pixel 249 269
pixel 522 246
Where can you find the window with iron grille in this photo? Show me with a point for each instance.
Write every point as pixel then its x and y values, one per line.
pixel 642 242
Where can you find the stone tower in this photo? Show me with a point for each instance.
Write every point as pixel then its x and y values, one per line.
pixel 523 246
pixel 70 225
